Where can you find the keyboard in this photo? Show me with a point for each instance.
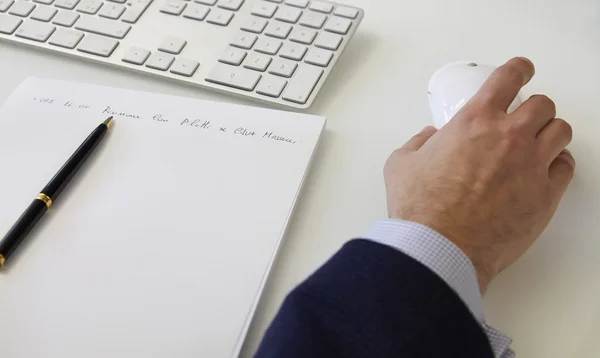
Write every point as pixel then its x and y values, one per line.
pixel 276 51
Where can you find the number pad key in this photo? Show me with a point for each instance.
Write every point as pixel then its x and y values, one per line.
pixel 233 56
pixel 328 41
pixel 284 68
pixel 271 86
pixel 244 40
pixel 268 46
pixel 288 14
pixel 313 19
pixel 264 9
pixel 258 62
pixel 337 25
pixel 255 25
pixel 319 57
pixel 236 77
pixel 293 51
pixel 278 30
pixel 303 35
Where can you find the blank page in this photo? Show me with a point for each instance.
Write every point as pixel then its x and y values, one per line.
pixel 161 244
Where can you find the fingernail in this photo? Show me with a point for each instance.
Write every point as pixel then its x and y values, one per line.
pixel 528 61
pixel 568 153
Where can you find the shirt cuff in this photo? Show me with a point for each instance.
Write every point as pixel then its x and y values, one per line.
pixel 444 258
pixel 436 252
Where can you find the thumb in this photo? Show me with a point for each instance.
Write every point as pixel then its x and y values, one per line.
pixel 562 170
pixel 420 139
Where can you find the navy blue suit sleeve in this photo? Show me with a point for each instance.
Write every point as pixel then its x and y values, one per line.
pixel 370 300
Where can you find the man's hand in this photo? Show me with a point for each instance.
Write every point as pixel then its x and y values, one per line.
pixel 489 181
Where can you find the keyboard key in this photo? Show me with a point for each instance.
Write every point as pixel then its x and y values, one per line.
pixel 268 46
pixel 112 11
pixel 258 62
pixel 219 17
pixel 321 6
pixel 297 3
pixel 66 38
pixel 35 30
pixel 264 9
pixel 255 25
pixel 312 19
pixel 345 11
pixel 5 4
pixel 271 86
pixel 328 41
pixel 90 6
pixel 303 84
pixel 133 12
pixel 233 5
pixel 278 30
pixel 293 51
pixel 196 12
pixel 288 14
pixel 43 13
pixel 98 45
pixel 233 56
pixel 244 40
pixel 173 7
pixel 184 67
pixel 303 35
pixel 236 77
pixel 101 26
pixel 206 2
pixel 66 4
pixel 283 68
pixel 172 45
pixel 8 24
pixel 338 25
pixel 65 18
pixel 45 2
pixel 136 55
pixel 319 57
pixel 22 8
pixel 160 61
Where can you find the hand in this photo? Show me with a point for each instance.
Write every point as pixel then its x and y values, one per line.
pixel 488 181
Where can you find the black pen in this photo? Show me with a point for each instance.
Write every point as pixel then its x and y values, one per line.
pixel 42 202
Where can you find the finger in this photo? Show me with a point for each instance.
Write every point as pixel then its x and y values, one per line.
pixel 504 84
pixel 536 113
pixel 554 138
pixel 562 170
pixel 419 139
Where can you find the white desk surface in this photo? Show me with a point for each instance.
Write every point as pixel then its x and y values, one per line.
pixel 549 302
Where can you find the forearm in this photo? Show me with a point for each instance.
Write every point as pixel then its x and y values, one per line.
pixel 371 300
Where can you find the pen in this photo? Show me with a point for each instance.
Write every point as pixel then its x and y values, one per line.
pixel 51 191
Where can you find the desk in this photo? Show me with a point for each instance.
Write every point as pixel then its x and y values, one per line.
pixel 549 302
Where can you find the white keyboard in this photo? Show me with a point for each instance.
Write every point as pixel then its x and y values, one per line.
pixel 279 51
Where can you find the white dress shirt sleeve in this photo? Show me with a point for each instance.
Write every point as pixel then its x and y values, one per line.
pixel 445 259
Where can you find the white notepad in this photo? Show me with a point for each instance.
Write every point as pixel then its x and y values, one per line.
pixel 161 245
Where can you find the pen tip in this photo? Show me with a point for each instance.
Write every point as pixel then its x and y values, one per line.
pixel 108 121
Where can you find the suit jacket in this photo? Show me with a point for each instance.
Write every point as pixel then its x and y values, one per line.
pixel 370 300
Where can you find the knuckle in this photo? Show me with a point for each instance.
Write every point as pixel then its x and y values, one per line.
pixel 565 128
pixel 544 101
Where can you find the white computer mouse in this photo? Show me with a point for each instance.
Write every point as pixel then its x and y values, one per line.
pixel 453 85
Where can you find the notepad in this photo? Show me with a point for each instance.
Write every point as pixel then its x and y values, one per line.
pixel 161 245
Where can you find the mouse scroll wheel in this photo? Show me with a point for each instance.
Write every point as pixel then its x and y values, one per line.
pixel 472 64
